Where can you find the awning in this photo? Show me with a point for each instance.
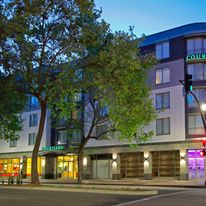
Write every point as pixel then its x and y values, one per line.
pixel 52 153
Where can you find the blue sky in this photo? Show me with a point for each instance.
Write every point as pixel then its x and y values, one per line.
pixel 151 16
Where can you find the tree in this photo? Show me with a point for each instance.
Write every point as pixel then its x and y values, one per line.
pixel 55 49
pixel 116 93
pixel 39 41
pixel 11 105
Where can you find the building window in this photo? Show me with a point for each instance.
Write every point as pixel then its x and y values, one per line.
pixel 200 94
pixel 197 45
pixel 162 75
pixel 163 101
pixel 32 138
pixel 61 137
pixel 198 71
pixel 34 102
pixel 162 50
pixel 101 131
pixel 13 143
pixel 163 126
pixel 195 125
pixel 76 136
pixel 33 120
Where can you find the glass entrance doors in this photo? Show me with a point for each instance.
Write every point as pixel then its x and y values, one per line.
pixel 195 164
pixel 67 167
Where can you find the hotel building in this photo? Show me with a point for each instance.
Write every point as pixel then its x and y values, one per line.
pixel 174 149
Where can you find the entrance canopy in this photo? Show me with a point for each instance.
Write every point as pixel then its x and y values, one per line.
pixel 52 153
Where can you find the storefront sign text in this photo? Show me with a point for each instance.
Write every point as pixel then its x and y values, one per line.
pixel 195 57
pixel 53 148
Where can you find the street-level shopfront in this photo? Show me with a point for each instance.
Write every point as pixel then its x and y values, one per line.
pixel 64 167
pixel 67 167
pixel 178 160
pixel 9 166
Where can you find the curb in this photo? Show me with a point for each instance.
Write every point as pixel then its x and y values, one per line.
pixel 121 191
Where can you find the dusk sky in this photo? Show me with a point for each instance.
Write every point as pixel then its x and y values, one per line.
pixel 151 16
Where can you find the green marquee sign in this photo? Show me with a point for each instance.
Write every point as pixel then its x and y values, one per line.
pixel 195 57
pixel 53 148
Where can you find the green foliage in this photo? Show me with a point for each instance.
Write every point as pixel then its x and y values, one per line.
pixel 44 44
pixel 119 75
pixel 11 105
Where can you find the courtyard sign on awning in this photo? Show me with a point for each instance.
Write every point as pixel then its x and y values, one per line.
pixel 195 57
pixel 53 148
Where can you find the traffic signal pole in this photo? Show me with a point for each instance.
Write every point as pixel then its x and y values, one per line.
pixel 203 120
pixel 198 104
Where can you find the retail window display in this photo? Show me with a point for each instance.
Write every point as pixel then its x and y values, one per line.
pixel 9 167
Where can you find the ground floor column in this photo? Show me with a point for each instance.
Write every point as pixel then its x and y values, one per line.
pixel 147 165
pixel 183 164
pixel 115 166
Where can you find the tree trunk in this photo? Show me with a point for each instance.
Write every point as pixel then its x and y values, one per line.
pixel 34 167
pixel 80 160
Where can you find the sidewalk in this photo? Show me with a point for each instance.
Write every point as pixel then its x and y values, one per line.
pixel 164 182
pixel 155 182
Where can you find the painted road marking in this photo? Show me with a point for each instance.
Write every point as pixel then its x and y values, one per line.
pixel 150 198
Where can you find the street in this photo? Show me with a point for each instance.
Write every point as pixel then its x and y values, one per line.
pixel 19 197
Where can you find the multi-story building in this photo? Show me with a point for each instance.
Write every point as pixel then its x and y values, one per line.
pixel 174 149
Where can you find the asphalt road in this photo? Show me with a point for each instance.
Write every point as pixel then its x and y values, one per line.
pixel 19 197
pixel 195 197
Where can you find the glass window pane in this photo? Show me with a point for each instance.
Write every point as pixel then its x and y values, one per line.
pixel 158 101
pixel 190 70
pixel 190 46
pixel 166 126
pixel 159 126
pixel 166 50
pixel 166 100
pixel 198 71
pixel 199 121
pixel 159 76
pixel 204 70
pixel 198 45
pixel 166 75
pixel 159 51
pixel 191 121
pixel 204 45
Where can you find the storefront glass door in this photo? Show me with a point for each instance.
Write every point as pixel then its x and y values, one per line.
pixel 195 164
pixel 67 167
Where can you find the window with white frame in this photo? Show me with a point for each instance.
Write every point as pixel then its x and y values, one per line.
pixel 163 126
pixel 162 75
pixel 195 125
pixel 13 143
pixel 196 45
pixel 162 50
pixel 198 71
pixel 33 120
pixel 32 138
pixel 163 100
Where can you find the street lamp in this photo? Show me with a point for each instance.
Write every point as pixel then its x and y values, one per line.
pixel 203 107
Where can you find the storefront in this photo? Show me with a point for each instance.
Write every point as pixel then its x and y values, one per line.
pixel 10 167
pixel 101 166
pixel 29 163
pixel 165 164
pixel 67 167
pixel 131 165
pixel 195 164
